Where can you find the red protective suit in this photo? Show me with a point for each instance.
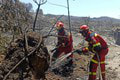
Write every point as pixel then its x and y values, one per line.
pixel 98 46
pixel 67 41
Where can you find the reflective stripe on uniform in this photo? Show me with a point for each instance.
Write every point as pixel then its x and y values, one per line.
pixel 102 62
pixel 96 34
pixel 96 62
pixel 97 44
pixel 92 73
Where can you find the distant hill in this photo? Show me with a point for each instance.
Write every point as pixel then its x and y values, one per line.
pixel 106 22
pixel 105 18
pixel 76 18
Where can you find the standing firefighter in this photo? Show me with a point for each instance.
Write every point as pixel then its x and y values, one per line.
pixel 64 44
pixel 97 45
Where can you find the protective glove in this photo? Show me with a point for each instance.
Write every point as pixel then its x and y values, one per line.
pixel 97 48
pixel 78 51
pixel 63 45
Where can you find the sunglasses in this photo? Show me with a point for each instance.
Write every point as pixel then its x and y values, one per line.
pixel 81 31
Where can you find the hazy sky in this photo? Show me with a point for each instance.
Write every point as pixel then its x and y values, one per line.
pixel 92 8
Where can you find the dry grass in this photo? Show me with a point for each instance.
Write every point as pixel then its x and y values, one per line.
pixel 4 40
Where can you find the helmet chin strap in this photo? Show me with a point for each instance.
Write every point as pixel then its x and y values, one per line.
pixel 84 33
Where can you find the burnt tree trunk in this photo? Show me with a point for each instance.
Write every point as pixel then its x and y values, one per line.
pixel 117 36
pixel 38 62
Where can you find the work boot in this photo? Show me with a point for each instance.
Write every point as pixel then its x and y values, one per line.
pixel 65 72
pixel 67 68
pixel 56 71
pixel 70 66
pixel 69 63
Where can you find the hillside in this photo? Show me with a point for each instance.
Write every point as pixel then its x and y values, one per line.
pixel 17 17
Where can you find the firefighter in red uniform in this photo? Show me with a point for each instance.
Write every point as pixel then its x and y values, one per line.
pixel 97 45
pixel 64 44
